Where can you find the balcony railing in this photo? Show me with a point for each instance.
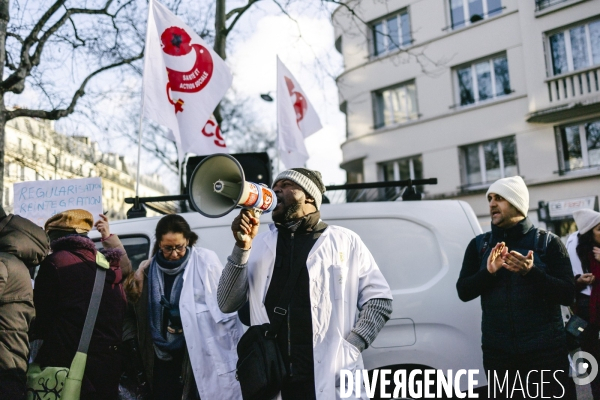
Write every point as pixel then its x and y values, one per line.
pixel 574 85
pixel 542 4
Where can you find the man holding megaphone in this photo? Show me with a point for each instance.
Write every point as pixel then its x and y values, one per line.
pixel 317 297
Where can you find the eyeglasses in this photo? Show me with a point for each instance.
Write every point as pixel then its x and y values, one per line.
pixel 170 249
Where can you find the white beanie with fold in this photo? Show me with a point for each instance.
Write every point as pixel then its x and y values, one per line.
pixel 586 220
pixel 514 190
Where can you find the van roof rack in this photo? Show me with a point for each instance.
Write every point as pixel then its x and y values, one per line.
pixel 407 190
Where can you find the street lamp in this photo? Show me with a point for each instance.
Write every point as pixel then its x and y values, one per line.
pixel 266 97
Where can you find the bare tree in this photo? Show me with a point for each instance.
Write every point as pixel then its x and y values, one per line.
pixel 47 42
pixel 56 49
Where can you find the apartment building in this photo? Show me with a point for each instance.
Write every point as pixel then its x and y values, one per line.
pixel 35 151
pixel 469 91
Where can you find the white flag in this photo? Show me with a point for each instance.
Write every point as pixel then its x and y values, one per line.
pixel 211 130
pixel 184 80
pixel 296 118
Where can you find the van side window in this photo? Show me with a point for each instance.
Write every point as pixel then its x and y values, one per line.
pixel 136 247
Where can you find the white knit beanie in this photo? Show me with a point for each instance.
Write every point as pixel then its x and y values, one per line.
pixel 586 220
pixel 514 190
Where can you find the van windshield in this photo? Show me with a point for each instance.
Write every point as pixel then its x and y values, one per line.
pixel 136 247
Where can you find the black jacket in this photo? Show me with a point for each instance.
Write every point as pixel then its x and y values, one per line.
pixel 295 334
pixel 521 314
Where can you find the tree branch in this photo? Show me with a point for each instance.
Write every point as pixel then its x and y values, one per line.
pixel 59 113
pixel 16 81
pixel 14 35
pixel 347 7
pixel 238 12
pixel 82 41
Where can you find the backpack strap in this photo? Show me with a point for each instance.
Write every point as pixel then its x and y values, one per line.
pixel 483 243
pixel 92 312
pixel 542 240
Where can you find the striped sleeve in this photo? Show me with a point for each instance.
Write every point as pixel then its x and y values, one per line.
pixel 371 319
pixel 232 292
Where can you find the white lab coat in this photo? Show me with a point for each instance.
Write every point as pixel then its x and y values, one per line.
pixel 210 335
pixel 343 276
pixel 572 242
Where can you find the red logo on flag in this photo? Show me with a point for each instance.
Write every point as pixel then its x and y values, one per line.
pixel 219 141
pixel 300 104
pixel 176 42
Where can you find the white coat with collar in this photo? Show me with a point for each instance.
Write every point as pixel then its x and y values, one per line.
pixel 571 245
pixel 343 276
pixel 210 335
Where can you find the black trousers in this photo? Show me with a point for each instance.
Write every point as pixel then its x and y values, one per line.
pixel 12 386
pixel 520 376
pixel 304 390
pixel 167 382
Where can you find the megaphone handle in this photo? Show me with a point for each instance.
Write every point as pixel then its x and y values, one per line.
pixel 256 213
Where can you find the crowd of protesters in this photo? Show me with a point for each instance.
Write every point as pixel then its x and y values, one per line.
pixel 172 325
pixel 164 324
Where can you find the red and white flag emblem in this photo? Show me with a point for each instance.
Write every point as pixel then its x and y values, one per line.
pixel 184 80
pixel 297 118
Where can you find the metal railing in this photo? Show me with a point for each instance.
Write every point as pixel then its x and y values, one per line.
pixel 542 4
pixel 574 85
pixel 564 171
pixel 408 189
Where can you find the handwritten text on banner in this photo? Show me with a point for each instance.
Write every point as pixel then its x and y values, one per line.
pixel 39 200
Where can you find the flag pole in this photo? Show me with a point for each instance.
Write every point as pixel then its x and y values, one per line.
pixel 181 174
pixel 278 154
pixel 137 176
pixel 141 124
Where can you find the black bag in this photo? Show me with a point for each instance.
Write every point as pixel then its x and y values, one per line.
pixel 260 366
pixel 576 326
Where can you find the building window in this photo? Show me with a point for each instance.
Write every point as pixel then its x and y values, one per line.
pixel 397 170
pixel 466 12
pixel 579 146
pixel 405 168
pixel 7 196
pixel 575 48
pixel 391 33
pixel 28 126
pixel 483 80
pixel 542 4
pixel 487 162
pixel 395 105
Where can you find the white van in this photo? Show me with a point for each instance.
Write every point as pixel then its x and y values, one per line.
pixel 419 247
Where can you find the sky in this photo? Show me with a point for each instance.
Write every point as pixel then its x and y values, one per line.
pixel 306 47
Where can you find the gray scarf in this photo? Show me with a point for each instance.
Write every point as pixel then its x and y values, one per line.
pixel 164 344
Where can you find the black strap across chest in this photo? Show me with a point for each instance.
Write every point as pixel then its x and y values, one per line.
pixel 542 239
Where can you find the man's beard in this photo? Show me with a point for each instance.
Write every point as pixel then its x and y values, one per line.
pixel 288 213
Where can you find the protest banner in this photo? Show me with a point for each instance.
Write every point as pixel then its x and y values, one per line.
pixel 39 200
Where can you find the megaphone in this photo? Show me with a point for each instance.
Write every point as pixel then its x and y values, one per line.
pixel 218 185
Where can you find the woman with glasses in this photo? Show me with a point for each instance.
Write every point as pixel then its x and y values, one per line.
pixel 188 345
